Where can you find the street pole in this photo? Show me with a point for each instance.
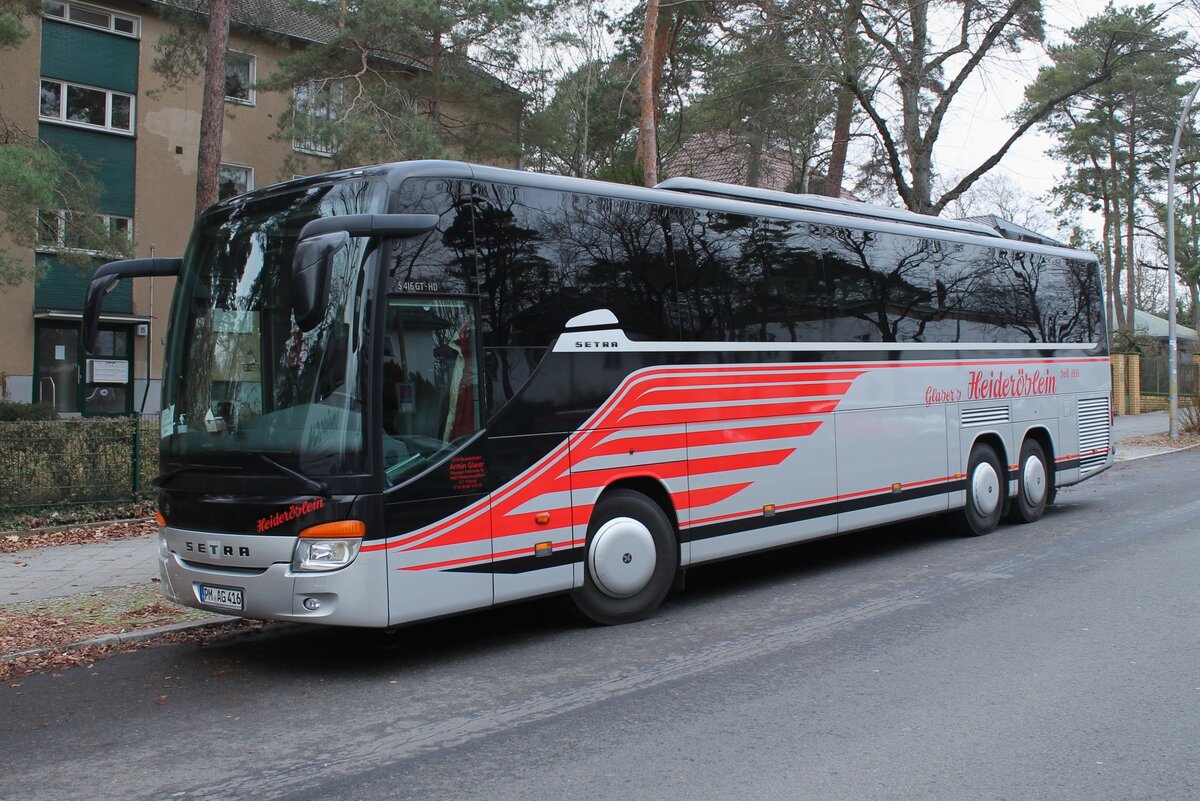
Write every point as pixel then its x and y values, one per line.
pixel 1172 338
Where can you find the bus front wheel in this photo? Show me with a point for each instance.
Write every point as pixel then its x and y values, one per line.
pixel 630 562
pixel 986 483
pixel 1033 484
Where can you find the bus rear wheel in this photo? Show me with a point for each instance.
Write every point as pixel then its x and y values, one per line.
pixel 986 483
pixel 631 559
pixel 1033 484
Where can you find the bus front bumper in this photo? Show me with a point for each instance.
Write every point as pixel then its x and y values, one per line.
pixel 355 595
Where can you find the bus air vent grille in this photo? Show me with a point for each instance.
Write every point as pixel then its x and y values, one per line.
pixel 1093 434
pixel 991 415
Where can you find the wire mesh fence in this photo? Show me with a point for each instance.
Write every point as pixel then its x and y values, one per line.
pixel 1156 378
pixel 57 463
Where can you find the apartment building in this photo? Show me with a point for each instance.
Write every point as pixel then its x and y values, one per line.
pixel 83 81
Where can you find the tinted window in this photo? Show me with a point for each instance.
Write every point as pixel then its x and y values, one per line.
pixel 1060 299
pixel 989 295
pixel 975 299
pixel 744 279
pixel 546 256
pixel 882 286
pixel 442 261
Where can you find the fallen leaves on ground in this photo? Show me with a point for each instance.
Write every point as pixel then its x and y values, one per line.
pixel 78 535
pixel 1160 441
pixel 49 626
pixel 62 658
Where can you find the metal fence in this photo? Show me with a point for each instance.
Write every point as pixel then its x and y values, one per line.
pixel 1156 381
pixel 94 460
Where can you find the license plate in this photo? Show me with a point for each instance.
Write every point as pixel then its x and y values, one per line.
pixel 225 597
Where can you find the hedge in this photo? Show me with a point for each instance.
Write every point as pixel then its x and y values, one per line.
pixel 74 461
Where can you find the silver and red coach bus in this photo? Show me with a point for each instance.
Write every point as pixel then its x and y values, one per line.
pixel 423 388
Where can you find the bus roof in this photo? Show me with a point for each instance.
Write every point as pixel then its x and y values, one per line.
pixel 696 193
pixel 851 208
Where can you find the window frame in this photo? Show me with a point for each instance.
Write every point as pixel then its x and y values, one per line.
pixel 251 98
pixel 60 231
pixel 246 168
pixel 113 16
pixel 309 146
pixel 109 94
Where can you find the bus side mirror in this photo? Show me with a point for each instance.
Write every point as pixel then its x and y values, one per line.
pixel 322 238
pixel 106 278
pixel 311 268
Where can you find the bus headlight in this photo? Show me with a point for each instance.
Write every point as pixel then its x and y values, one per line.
pixel 328 546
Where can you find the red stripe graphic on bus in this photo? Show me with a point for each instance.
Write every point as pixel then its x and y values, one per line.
pixel 757 404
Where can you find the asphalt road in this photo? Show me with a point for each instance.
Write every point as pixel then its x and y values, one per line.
pixel 1059 660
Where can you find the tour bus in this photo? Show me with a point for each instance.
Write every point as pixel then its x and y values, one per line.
pixel 416 389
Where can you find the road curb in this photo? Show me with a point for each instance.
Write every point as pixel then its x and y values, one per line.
pixel 121 638
pixel 1156 452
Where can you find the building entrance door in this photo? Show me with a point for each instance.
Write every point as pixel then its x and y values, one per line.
pixel 99 383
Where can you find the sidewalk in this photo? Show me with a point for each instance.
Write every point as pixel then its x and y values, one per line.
pixel 1129 427
pixel 41 573
pixel 52 572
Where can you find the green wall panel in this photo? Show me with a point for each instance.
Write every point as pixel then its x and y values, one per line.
pixel 62 286
pixel 84 55
pixel 111 154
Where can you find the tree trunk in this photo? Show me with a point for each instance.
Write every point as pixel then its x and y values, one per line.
pixel 842 119
pixel 1110 271
pixel 1112 233
pixel 435 103
pixel 844 115
pixel 920 157
pixel 647 146
pixel 1130 258
pixel 212 109
pixel 754 157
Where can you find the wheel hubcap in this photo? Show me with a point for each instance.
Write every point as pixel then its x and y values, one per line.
pixel 985 489
pixel 1033 480
pixel 622 557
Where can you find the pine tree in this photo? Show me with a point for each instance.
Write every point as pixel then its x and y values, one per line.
pixel 1115 134
pixel 403 79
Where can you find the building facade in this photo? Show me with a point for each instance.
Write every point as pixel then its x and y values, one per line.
pixel 83 80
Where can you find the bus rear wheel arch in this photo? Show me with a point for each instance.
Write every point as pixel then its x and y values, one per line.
pixel 630 561
pixel 986 490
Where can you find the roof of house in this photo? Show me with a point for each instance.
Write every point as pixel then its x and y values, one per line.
pixel 267 16
pixel 725 158
pixel 1151 325
pixel 1011 230
pixel 286 18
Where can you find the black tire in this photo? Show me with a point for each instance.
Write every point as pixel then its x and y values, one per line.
pixel 627 529
pixel 1033 484
pixel 987 483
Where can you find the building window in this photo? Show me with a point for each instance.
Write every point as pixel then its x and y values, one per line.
pixel 60 230
pixel 234 179
pixel 87 106
pixel 317 105
pixel 239 77
pixel 93 17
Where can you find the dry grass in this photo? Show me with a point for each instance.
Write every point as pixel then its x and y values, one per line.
pixel 1189 415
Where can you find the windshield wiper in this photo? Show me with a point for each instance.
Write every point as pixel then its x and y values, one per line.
pixel 310 484
pixel 161 480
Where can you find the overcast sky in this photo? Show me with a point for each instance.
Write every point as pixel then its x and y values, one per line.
pixel 980 126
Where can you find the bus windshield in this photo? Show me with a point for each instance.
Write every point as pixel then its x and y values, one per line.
pixel 243 379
